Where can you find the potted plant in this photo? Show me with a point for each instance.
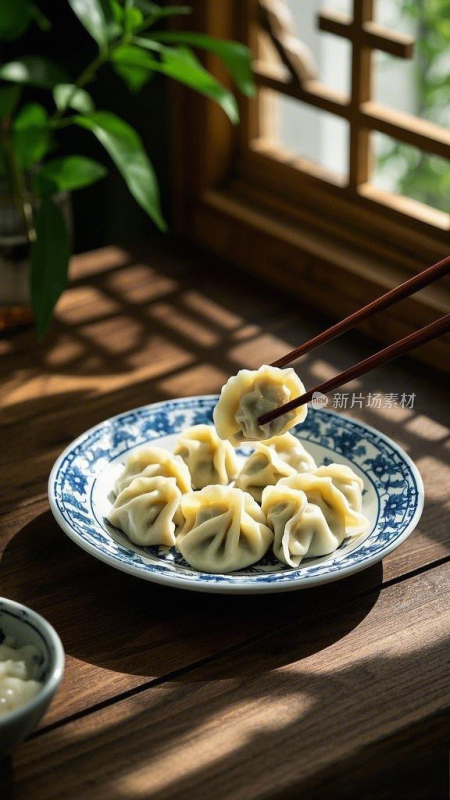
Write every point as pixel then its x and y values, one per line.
pixel 34 180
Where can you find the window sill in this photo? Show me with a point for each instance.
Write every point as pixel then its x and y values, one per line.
pixel 330 277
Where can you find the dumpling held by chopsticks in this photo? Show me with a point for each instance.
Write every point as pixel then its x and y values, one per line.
pixel 252 393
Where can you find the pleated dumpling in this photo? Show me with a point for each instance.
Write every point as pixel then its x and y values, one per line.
pixel 300 528
pixel 145 511
pixel 208 458
pixel 252 393
pixel 150 462
pixel 225 530
pixel 320 491
pixel 263 467
pixel 346 480
pixel 291 450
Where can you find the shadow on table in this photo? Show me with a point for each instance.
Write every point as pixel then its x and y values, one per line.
pixel 142 330
pixel 256 727
pixel 110 321
pixel 112 620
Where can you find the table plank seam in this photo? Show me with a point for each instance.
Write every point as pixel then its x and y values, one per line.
pixel 195 665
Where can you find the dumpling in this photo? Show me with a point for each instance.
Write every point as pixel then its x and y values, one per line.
pixel 225 530
pixel 309 517
pixel 320 491
pixel 291 450
pixel 299 527
pixel 347 481
pixel 263 467
pixel 252 393
pixel 150 462
pixel 208 458
pixel 145 511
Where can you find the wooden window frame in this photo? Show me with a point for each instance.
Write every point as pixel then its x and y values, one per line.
pixel 334 247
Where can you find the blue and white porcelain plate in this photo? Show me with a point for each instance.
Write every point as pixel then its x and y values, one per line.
pixel 81 481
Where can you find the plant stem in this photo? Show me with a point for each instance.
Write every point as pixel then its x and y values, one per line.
pixel 86 76
pixel 61 123
pixel 17 182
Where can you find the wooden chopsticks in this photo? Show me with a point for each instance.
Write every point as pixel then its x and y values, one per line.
pixel 432 331
pixel 405 289
pixel 437 328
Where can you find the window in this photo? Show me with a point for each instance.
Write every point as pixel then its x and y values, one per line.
pixel 333 184
pixel 356 126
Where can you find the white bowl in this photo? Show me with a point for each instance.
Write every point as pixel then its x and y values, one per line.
pixel 28 627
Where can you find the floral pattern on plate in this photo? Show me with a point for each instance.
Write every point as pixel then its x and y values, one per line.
pixel 82 478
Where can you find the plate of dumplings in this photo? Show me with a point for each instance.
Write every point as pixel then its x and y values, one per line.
pixel 192 493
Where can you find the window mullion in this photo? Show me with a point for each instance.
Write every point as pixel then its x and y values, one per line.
pixel 359 157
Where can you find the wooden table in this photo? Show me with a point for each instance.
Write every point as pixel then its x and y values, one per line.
pixel 341 691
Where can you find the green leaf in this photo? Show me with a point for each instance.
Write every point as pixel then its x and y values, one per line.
pixel 34 71
pixel 133 65
pixel 67 95
pixel 234 55
pixel 50 255
pixel 68 173
pixel 133 18
pixel 126 150
pixel 31 134
pixel 15 17
pixel 41 20
pixel 99 19
pixel 9 97
pixel 152 12
pixel 181 64
pixel 117 10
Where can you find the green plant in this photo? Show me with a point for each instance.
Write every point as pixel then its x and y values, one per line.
pixel 126 40
pixel 419 175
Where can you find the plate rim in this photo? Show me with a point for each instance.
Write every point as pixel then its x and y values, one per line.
pixel 175 579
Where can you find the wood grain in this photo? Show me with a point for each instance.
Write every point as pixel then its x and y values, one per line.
pixel 138 344
pixel 134 328
pixel 395 350
pixel 355 224
pixel 308 266
pixel 267 166
pixel 113 646
pixel 263 721
pixel 406 289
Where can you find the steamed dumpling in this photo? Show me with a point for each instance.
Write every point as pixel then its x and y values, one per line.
pixel 347 481
pixel 299 527
pixel 291 450
pixel 151 462
pixel 252 393
pixel 208 458
pixel 263 467
pixel 225 530
pixel 320 491
pixel 145 511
